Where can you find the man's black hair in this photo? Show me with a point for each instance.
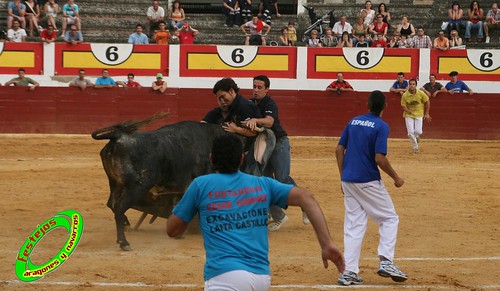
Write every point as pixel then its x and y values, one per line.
pixel 226 153
pixel 264 79
pixel 376 102
pixel 225 85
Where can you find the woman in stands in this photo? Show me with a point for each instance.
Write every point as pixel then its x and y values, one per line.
pixel 51 9
pixel 379 27
pixel 345 41
pixel 283 39
pixel 382 9
pixel 406 28
pixel 360 29
pixel 455 14
pixel 176 15
pixel 32 15
pixel 368 13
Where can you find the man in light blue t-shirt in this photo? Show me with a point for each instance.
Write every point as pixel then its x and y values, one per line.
pixel 105 81
pixel 233 210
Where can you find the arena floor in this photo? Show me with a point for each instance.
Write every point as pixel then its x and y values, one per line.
pixel 449 233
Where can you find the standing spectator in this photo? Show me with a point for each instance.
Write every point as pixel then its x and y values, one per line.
pixel 16 34
pixel 283 39
pixel 232 12
pixel 186 34
pixel 162 35
pixel 421 40
pixel 433 88
pixel 367 13
pixel 416 106
pixel 455 14
pixel 268 8
pixel 159 85
pixel 401 85
pixel 48 35
pixel 379 28
pixel 329 40
pixel 105 81
pixel 237 259
pixel 476 15
pixel 386 16
pixel 71 15
pixel 339 85
pixel 313 40
pixel 456 85
pixel 340 26
pixel 492 21
pixel 245 9
pixel 362 149
pixel 51 9
pixel 292 33
pixel 406 28
pixel 278 165
pixel 176 15
pixel 380 40
pixel 32 16
pixel 131 83
pixel 345 40
pixel 16 11
pixel 441 42
pixel 455 39
pixel 23 81
pixel 80 81
pixel 256 26
pixel 138 37
pixel 156 15
pixel 359 29
pixel 73 36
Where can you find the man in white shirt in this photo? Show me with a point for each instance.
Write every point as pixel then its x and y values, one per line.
pixel 342 26
pixel 155 14
pixel 16 34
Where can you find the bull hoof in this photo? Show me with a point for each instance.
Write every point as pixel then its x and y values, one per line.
pixel 126 248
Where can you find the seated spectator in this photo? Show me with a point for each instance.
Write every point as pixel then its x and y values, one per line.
pixel 71 15
pixel 340 26
pixel 48 35
pixel 256 26
pixel 73 36
pixel 292 33
pixel 162 35
pixel 339 85
pixel 406 28
pixel 405 42
pixel 156 15
pixel 433 88
pixel 441 42
pixel 367 13
pixel 232 12
pixel 80 81
pixel 359 29
pixel 23 81
pixel 384 11
pixel 16 11
pixel 455 14
pixel 329 40
pixel 379 28
pixel 361 42
pixel 159 85
pixel 105 81
pixel 313 40
pixel 131 83
pixel 455 40
pixel 32 16
pixel 380 41
pixel 138 37
pixel 476 15
pixel 176 15
pixel 421 40
pixel 492 21
pixel 267 8
pixel 186 34
pixel 16 34
pixel 345 40
pixel 457 86
pixel 283 39
pixel 401 85
pixel 51 9
pixel 395 40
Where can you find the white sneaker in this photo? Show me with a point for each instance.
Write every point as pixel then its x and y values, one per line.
pixel 388 269
pixel 275 225
pixel 487 39
pixel 305 219
pixel 415 150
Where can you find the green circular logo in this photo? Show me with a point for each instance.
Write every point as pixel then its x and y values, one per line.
pixel 72 221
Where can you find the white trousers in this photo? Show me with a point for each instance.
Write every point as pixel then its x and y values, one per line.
pixel 238 280
pixel 362 200
pixel 414 128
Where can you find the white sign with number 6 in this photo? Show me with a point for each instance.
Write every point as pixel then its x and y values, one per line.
pixel 111 54
pixel 236 56
pixel 484 60
pixel 363 58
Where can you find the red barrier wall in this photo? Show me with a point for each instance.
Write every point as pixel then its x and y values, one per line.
pixel 306 113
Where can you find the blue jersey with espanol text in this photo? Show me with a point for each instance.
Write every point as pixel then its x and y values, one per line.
pixel 233 210
pixel 363 137
pixel 398 85
pixel 459 86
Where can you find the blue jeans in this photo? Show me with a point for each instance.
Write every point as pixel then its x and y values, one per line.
pixel 470 25
pixel 278 167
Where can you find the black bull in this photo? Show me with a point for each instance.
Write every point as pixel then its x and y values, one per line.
pixel 149 171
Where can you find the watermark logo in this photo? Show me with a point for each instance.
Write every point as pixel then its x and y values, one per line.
pixel 72 221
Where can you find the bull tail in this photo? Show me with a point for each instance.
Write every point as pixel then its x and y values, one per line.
pixel 127 127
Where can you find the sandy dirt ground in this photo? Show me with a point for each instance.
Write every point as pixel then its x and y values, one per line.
pixel 449 210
